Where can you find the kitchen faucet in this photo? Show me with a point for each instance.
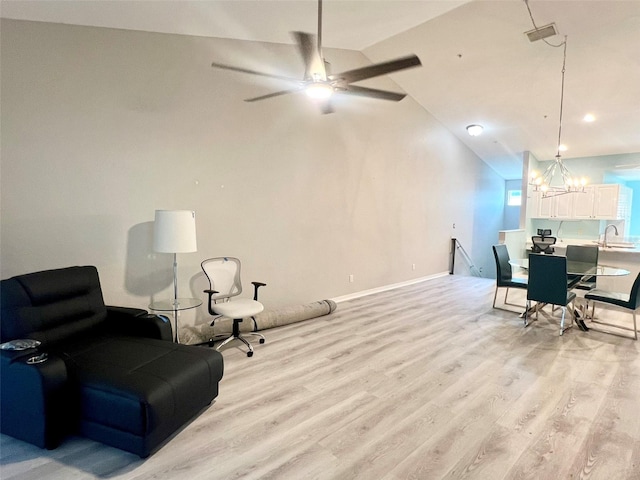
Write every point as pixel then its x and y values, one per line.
pixel 605 233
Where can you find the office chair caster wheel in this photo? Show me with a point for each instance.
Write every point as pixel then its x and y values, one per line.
pixel 262 340
pixel 249 354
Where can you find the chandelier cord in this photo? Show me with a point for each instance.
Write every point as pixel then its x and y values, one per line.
pixel 543 183
pixel 564 61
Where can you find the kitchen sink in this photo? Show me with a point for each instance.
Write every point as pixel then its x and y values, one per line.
pixel 615 244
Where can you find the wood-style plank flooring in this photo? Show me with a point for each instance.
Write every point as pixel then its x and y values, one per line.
pixel 422 382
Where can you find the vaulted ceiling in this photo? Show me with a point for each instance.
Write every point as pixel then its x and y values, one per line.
pixel 478 65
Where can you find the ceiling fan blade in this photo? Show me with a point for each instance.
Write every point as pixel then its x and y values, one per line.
pixel 314 68
pixel 377 69
pixel 253 72
pixel 307 50
pixel 371 93
pixel 274 94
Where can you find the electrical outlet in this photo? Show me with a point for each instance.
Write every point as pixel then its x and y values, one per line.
pixel 413 266
pixel 351 278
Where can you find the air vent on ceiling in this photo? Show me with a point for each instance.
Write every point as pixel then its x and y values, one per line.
pixel 542 32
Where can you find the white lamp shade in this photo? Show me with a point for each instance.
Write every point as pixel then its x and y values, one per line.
pixel 175 231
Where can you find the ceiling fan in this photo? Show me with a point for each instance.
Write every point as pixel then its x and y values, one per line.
pixel 319 84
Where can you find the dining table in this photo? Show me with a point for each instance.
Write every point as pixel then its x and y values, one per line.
pixel 579 268
pixel 584 269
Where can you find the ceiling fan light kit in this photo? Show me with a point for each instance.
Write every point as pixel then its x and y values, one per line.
pixel 319 90
pixel 320 85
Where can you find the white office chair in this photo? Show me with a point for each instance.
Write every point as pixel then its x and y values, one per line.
pixel 225 284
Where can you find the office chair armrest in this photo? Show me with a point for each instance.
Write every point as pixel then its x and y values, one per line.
pixel 256 286
pixel 211 293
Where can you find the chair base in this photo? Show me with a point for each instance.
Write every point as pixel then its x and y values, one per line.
pixel 236 335
pixel 539 306
pixel 505 303
pixel 634 330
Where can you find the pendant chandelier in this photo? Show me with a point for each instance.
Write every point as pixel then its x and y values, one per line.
pixel 570 184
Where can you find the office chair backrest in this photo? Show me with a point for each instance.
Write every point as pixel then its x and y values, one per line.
pixel 503 268
pixel 224 276
pixel 542 244
pixel 547 281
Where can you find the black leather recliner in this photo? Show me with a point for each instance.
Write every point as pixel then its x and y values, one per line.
pixel 111 374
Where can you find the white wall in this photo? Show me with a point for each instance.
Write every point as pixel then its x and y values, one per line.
pixel 100 127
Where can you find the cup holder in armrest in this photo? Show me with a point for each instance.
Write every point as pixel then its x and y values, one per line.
pixel 20 344
pixel 37 359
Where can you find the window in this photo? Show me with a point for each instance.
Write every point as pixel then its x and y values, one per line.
pixel 514 198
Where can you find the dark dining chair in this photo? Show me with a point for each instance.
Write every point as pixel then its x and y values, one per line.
pixel 547 284
pixel 630 301
pixel 584 254
pixel 504 275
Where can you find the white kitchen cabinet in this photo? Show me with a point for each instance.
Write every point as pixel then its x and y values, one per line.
pixel 583 205
pixel 609 201
pixel 606 201
pixel 563 206
pixel 559 207
pixel 540 209
pixel 603 202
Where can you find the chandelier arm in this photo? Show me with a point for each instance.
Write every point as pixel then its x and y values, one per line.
pixel 564 171
pixel 549 173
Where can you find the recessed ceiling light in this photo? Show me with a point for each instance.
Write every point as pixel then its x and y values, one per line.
pixel 589 117
pixel 474 130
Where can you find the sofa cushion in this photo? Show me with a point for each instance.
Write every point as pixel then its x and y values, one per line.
pixel 140 390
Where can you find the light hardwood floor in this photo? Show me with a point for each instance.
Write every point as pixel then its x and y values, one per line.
pixel 422 382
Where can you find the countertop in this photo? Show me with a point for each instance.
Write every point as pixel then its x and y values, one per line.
pixel 614 248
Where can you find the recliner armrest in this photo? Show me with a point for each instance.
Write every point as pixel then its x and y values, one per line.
pixel 138 323
pixel 35 405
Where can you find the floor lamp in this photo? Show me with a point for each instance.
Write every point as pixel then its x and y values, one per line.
pixel 175 232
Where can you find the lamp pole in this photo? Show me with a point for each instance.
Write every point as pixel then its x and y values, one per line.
pixel 175 294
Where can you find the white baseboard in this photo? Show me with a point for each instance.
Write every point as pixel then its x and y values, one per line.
pixel 385 288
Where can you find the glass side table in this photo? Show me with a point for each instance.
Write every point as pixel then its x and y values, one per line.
pixel 175 306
